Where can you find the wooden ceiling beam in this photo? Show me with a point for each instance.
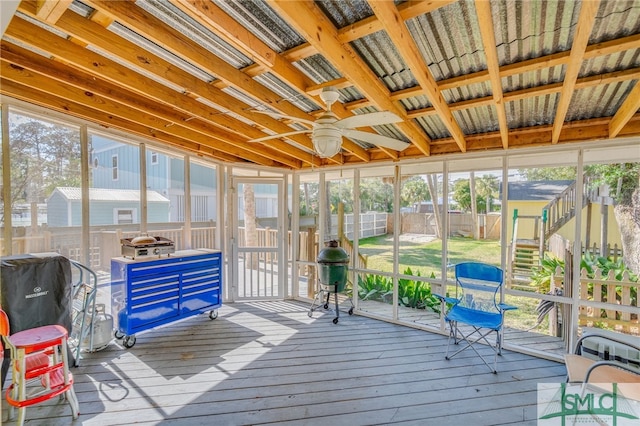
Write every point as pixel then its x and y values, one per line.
pixel 319 31
pixel 627 110
pixel 408 10
pixel 82 111
pixel 145 88
pixel 485 20
pixel 51 10
pixel 588 11
pixel 94 34
pixel 108 107
pixel 152 28
pixel 218 21
pixel 398 32
pixel 93 88
pixel 211 16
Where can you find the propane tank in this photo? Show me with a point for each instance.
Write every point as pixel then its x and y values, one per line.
pixel 102 330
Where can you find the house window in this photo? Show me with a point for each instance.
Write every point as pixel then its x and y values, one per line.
pixel 154 157
pixel 124 216
pixel 114 167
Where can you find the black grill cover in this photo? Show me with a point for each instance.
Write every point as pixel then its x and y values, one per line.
pixel 36 291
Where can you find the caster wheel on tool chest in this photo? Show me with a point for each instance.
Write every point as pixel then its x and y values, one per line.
pixel 213 314
pixel 129 341
pixel 118 334
pixel 335 320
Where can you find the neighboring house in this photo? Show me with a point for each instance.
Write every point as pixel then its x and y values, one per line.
pixel 106 207
pixel 115 165
pixel 531 197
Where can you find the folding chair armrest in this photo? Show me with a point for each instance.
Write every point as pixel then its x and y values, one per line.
pixel 506 307
pixel 446 299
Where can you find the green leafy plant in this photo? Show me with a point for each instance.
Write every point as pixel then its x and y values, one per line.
pixel 541 276
pixel 411 293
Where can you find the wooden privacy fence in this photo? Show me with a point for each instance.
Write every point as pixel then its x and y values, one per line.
pixel 605 301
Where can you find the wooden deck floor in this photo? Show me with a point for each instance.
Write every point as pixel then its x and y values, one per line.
pixel 269 363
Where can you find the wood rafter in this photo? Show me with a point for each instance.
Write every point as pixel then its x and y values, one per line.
pixel 394 26
pixel 122 67
pixel 587 17
pixel 485 18
pixel 319 31
pixel 51 10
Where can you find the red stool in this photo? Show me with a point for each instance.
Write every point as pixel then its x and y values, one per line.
pixel 40 367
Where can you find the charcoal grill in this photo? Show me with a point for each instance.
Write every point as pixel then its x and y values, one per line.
pixel 333 266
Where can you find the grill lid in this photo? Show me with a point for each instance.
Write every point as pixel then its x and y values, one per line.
pixel 333 254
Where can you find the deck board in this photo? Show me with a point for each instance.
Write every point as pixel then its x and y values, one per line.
pixel 269 363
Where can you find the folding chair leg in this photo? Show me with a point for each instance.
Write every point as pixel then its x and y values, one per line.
pixel 458 337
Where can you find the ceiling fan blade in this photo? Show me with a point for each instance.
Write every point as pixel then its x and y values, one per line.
pixel 370 119
pixel 279 135
pixel 376 139
pixel 290 117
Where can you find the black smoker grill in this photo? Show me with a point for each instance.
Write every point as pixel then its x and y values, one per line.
pixel 333 264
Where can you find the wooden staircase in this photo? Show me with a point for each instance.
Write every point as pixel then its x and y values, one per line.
pixel 563 207
pixel 526 254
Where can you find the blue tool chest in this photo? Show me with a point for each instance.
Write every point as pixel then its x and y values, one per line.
pixel 150 291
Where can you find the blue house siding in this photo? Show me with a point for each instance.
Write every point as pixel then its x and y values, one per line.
pixel 203 178
pixel 156 173
pixel 128 164
pixel 57 210
pixel 64 207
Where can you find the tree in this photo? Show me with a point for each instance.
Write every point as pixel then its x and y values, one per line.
pixel 43 157
pixel 549 173
pixel 624 183
pixel 486 188
pixel 414 190
pixel 250 228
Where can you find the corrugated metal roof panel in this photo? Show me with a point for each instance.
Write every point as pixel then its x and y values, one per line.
pixel 531 111
pixel 345 12
pixel 318 69
pixel 163 53
pixel 449 40
pixel 609 98
pixel 477 120
pixel 288 93
pixel 530 29
pixel 264 23
pixel 380 55
pixel 616 19
pixel 433 127
pixel 183 23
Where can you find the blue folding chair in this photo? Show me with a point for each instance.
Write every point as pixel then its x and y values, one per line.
pixel 476 310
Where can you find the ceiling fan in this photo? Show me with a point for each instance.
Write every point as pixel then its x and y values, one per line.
pixel 327 130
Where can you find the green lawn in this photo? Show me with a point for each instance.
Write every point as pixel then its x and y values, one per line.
pixel 426 257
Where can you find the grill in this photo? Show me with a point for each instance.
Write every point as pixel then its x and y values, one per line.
pixel 146 246
pixel 333 264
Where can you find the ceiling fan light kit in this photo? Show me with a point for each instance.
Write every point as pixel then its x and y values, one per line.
pixel 327 131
